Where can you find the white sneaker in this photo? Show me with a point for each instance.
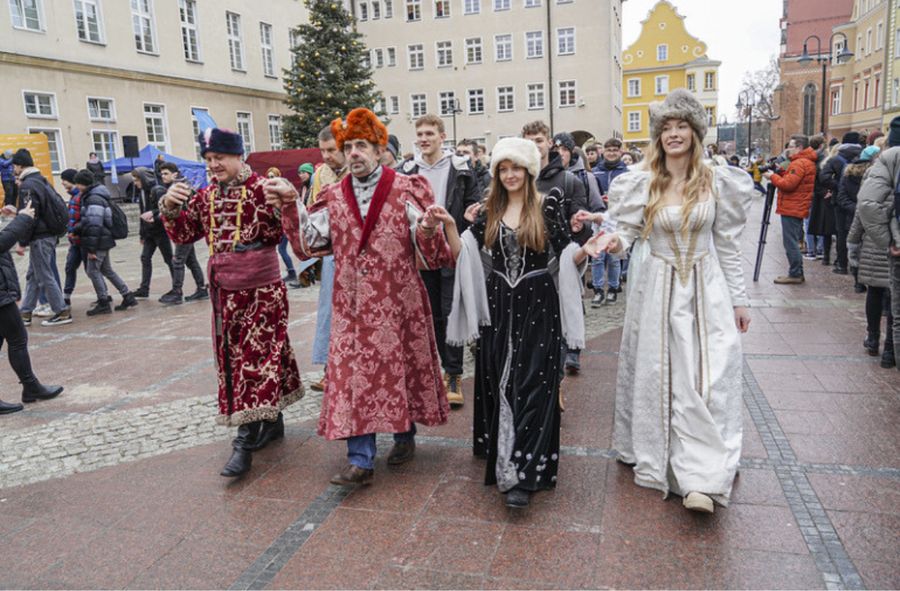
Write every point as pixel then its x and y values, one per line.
pixel 695 501
pixel 43 311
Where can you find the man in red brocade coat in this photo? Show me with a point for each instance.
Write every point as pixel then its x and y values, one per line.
pixel 384 374
pixel 257 372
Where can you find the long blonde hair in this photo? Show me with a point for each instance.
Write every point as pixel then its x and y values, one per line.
pixel 699 181
pixel 531 232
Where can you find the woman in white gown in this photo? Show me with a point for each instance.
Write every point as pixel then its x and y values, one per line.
pixel 678 395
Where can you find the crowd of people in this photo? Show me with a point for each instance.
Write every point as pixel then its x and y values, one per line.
pixel 417 257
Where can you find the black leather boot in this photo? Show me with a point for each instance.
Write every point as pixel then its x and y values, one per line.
pixel 242 456
pixel 7 408
pixel 887 356
pixel 871 343
pixel 33 390
pixel 269 432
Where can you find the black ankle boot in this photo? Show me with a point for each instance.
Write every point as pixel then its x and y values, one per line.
pixel 269 432
pixel 242 456
pixel 887 356
pixel 33 390
pixel 7 408
pixel 871 343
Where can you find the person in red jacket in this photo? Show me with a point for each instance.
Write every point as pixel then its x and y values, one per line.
pixel 795 191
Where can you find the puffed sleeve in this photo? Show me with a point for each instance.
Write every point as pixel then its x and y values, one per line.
pixel 734 189
pixel 555 220
pixel 433 251
pixel 184 225
pixel 628 196
pixel 308 230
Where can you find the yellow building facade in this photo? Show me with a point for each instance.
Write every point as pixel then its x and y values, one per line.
pixel 665 57
pixel 892 66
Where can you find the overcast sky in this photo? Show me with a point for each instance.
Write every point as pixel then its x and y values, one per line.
pixel 743 35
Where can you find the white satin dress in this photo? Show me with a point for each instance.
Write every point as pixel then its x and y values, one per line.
pixel 679 387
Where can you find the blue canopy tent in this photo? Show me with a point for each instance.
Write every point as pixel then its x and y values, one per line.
pixel 193 171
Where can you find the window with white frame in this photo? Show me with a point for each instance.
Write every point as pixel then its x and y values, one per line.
pixel 101 109
pixel 378 58
pixel 662 84
pixel 709 81
pixel 87 21
pixel 692 82
pixel 565 41
pixel 155 124
pixel 275 138
pixel 27 14
pixel 473 50
pixel 190 35
pixel 363 10
pixel 532 3
pixel 471 6
pixel 143 25
pixel 235 42
pixel 444 54
pixel 376 10
pixel 413 10
pixel 245 130
pixel 869 47
pixel 395 105
pixel 536 96
pixel 634 87
pixel 503 48
pixel 837 92
pixel 416 56
pixel 505 99
pixel 380 106
pixel 40 105
pixel 710 116
pixel 859 48
pixel 634 121
pixel 418 105
pixel 476 101
pixel 662 52
pixel 392 57
pixel 195 125
pixel 501 5
pixel 567 93
pixel 879 35
pixel 388 8
pixel 447 103
pixel 441 8
pixel 366 61
pixel 267 48
pixel 294 41
pixel 54 142
pixel 534 44
pixel 104 143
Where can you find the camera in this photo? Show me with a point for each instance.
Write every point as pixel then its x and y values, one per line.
pixel 776 164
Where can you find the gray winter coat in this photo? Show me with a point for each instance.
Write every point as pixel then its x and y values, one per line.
pixel 875 202
pixel 873 262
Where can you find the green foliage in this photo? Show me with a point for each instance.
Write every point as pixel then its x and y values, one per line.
pixel 329 76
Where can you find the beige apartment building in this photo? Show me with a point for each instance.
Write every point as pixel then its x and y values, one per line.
pixel 88 72
pixel 857 86
pixel 494 65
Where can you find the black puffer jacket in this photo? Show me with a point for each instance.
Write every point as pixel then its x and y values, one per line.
pixel 35 188
pixel 848 188
pixel 574 195
pixel 18 230
pixel 95 225
pixel 148 200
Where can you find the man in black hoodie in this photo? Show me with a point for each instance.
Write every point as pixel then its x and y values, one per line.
pixel 152 233
pixel 830 178
pixel 554 174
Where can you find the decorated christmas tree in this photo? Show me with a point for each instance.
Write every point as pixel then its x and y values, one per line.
pixel 330 74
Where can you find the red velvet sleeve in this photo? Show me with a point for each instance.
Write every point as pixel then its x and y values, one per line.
pixel 187 226
pixel 434 249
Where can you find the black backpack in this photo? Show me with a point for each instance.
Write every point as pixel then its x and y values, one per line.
pixel 54 211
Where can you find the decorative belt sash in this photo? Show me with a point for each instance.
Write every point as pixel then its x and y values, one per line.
pixel 237 270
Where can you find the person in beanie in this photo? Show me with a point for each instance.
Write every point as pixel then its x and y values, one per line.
pixel 391 156
pixel 8 179
pixel 878 207
pixel 76 256
pixel 184 255
pixel 384 373
pixel 153 235
pixel 42 275
pixel 12 329
pixel 679 389
pixel 795 192
pixel 257 371
pixel 824 218
pixel 305 173
pixel 94 231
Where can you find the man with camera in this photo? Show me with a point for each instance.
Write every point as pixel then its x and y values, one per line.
pixel 795 190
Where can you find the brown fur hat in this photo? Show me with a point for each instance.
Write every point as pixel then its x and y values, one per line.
pixel 679 104
pixel 362 124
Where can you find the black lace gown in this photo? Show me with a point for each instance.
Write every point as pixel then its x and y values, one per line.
pixel 517 370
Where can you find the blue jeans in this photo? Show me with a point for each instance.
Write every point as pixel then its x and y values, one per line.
pixel 283 253
pixel 323 313
pixel 361 448
pixel 791 232
pixel 74 259
pixel 814 244
pixel 42 297
pixel 42 276
pixel 603 265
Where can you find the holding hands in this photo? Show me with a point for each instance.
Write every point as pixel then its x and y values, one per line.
pixel 601 242
pixel 27 210
pixel 279 192
pixel 472 212
pixel 435 215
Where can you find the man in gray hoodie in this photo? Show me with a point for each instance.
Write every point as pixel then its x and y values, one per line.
pixel 455 188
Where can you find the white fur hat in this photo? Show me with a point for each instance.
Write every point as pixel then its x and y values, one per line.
pixel 679 104
pixel 519 151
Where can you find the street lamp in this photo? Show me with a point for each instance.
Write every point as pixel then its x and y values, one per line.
pixel 841 57
pixel 746 99
pixel 456 110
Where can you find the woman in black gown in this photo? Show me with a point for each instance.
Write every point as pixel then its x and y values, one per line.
pixel 517 371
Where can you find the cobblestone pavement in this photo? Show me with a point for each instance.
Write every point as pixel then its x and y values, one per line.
pixel 128 458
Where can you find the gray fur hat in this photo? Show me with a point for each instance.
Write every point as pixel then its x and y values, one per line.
pixel 679 104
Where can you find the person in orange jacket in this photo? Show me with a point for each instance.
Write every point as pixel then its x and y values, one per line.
pixel 795 191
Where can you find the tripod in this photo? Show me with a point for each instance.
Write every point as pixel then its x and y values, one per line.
pixel 764 230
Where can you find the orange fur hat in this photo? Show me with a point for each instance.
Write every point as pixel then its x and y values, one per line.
pixel 360 124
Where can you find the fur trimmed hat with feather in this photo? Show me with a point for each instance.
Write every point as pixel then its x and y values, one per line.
pixel 679 104
pixel 518 151
pixel 361 124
